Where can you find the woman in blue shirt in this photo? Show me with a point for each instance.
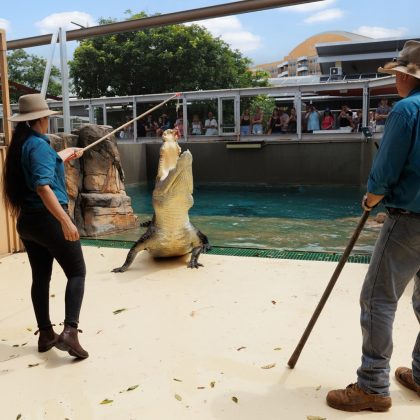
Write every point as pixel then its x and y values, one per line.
pixel 35 190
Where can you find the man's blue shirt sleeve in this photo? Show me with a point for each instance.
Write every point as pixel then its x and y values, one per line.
pixel 392 154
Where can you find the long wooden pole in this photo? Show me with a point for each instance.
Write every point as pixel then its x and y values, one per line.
pixel 295 356
pixel 209 12
pixel 125 125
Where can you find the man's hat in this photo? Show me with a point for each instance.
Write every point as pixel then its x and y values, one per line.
pixel 408 61
pixel 32 107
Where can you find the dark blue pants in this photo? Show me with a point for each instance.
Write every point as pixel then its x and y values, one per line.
pixel 44 241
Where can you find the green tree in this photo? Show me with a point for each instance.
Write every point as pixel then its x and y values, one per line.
pixel 165 59
pixel 28 70
pixel 266 105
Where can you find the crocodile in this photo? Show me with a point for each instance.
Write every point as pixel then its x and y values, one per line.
pixel 170 232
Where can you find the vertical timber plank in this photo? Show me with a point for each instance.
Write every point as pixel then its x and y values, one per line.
pixel 9 239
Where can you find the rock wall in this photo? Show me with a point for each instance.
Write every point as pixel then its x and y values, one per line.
pixel 95 183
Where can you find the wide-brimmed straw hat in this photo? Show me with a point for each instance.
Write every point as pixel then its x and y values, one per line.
pixel 408 61
pixel 32 107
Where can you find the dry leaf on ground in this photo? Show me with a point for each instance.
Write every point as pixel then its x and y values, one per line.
pixel 106 401
pixel 270 366
pixel 118 311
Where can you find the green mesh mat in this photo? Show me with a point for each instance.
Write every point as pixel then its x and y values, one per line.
pixel 249 252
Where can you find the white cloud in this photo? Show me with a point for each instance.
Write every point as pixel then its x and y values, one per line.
pixel 56 20
pixel 5 24
pixel 325 16
pixel 310 7
pixel 380 32
pixel 230 29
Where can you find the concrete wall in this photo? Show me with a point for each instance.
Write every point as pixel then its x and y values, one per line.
pixel 134 163
pixel 277 164
pixel 281 163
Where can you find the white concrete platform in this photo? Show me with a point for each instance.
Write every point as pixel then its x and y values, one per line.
pixel 192 340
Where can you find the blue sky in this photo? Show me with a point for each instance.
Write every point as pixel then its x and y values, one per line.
pixel 262 36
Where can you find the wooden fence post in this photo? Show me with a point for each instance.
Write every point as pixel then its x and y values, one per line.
pixel 9 239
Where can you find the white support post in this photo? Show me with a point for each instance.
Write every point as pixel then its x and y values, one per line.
pixel 298 107
pixel 47 72
pixel 104 114
pixel 185 117
pixel 91 114
pixel 365 109
pixel 64 80
pixel 135 122
pixel 237 116
pixel 219 116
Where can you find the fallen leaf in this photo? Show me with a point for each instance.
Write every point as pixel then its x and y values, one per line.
pixel 98 332
pixel 316 418
pixel 273 302
pixel 132 388
pixel 241 348
pixel 106 401
pixel 19 416
pixel 277 348
pixel 177 380
pixel 53 295
pixel 178 397
pixel 24 344
pixel 29 329
pixel 270 366
pixel 118 311
pixel 15 345
pixel 33 365
pixel 212 384
pixel 318 387
pixel 235 400
pixel 192 313
pixel 201 387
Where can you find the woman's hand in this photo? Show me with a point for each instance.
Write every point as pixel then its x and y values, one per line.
pixel 69 230
pixel 70 153
pixel 51 203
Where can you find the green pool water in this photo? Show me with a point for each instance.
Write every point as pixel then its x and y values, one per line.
pixel 295 218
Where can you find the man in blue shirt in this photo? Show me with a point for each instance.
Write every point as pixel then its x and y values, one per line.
pixel 395 180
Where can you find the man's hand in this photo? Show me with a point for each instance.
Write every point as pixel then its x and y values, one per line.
pixel 370 201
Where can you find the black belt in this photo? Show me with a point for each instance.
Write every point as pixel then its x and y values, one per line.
pixel 393 210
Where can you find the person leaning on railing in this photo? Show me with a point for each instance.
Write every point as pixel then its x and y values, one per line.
pixel 395 180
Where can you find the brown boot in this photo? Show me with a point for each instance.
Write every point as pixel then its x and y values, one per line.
pixel 68 341
pixel 353 398
pixel 47 339
pixel 404 376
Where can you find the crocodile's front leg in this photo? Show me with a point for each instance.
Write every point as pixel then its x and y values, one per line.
pixel 135 249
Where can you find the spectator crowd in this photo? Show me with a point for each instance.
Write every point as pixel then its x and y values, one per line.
pixel 281 121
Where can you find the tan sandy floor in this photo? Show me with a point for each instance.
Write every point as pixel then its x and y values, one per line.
pixel 192 340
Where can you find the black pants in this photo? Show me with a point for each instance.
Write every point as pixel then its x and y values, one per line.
pixel 44 241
